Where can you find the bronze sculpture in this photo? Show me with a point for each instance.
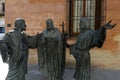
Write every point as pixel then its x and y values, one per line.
pixel 52 40
pixel 51 46
pixel 87 40
pixel 41 54
pixel 64 45
pixel 16 44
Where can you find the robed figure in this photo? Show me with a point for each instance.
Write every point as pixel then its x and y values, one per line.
pixel 51 51
pixel 42 54
pixel 14 50
pixel 87 40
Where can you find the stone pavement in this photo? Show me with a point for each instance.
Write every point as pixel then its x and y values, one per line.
pixel 34 74
pixel 96 74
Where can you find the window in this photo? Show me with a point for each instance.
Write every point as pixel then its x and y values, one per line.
pixel 2 9
pixel 2 30
pixel 93 9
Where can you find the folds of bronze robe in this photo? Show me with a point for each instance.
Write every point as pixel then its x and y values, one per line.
pixel 42 54
pixel 80 50
pixel 17 44
pixel 53 53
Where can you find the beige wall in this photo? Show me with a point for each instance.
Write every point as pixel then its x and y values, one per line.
pixel 109 55
pixel 35 12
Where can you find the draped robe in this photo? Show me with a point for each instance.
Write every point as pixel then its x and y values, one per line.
pixel 17 44
pixel 53 53
pixel 80 50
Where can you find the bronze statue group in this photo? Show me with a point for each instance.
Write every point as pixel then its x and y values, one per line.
pixel 51 45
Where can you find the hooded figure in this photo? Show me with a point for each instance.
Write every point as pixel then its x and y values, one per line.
pixel 16 44
pixel 87 39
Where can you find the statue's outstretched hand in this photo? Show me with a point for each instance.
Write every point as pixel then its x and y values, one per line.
pixel 109 26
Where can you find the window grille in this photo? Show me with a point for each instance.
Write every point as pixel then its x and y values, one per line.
pixel 93 9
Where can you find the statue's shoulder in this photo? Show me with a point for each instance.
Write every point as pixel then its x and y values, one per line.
pixel 44 30
pixel 9 33
pixel 56 30
pixel 23 33
pixel 90 32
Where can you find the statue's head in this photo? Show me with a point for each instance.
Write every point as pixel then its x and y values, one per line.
pixel 20 24
pixel 50 24
pixel 84 23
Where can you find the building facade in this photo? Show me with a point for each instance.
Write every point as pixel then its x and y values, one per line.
pixel 35 12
